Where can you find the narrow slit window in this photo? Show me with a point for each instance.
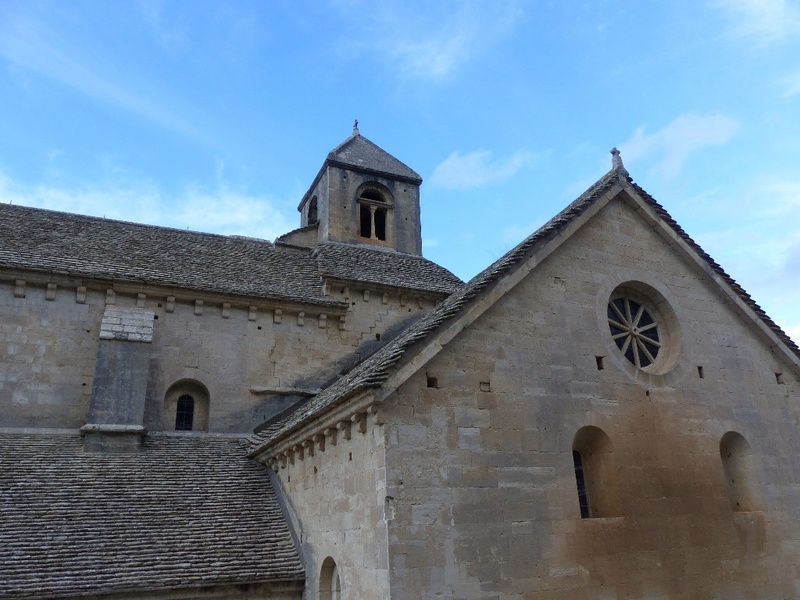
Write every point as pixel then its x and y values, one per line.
pixel 184 415
pixel 583 499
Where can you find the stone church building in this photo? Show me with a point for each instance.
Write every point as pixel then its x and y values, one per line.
pixel 603 413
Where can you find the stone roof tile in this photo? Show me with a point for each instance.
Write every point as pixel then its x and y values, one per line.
pixel 184 511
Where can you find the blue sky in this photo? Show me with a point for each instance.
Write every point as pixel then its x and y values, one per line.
pixel 216 116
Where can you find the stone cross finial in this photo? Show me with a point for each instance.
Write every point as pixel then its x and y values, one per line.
pixel 616 160
pixel 355 127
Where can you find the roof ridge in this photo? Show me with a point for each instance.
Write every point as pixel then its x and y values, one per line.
pixel 150 226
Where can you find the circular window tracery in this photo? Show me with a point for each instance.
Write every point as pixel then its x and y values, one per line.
pixel 634 330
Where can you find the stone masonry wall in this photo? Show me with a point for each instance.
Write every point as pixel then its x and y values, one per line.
pixel 246 355
pixel 479 443
pixel 48 341
pixel 337 492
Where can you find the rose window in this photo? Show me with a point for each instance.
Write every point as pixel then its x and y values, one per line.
pixel 634 331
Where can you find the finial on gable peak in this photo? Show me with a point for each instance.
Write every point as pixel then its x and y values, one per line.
pixel 355 127
pixel 616 161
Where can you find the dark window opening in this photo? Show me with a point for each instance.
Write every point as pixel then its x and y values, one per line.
pixel 312 211
pixel 700 372
pixel 583 498
pixel 599 361
pixel 184 415
pixel 372 222
pixel 432 382
pixel 366 222
pixel 373 195
pixel 779 378
pixel 380 224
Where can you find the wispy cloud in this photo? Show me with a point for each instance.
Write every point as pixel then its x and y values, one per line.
pixel 761 23
pixel 429 42
pixel 669 147
pixel 30 45
pixel 464 171
pixel 223 211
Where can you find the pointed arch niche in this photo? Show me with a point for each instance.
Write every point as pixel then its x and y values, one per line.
pixel 595 473
pixel 740 472
pixel 186 406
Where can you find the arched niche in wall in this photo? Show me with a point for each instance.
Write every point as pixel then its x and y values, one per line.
pixel 740 471
pixel 330 585
pixel 186 406
pixel 595 473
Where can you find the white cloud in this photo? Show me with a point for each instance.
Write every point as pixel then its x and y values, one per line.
pixel 669 147
pixel 223 211
pixel 31 46
pixel 430 41
pixel 464 171
pixel 761 22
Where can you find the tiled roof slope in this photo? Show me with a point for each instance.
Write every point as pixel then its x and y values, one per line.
pixel 45 240
pixel 357 151
pixel 384 267
pixel 185 511
pixel 51 241
pixel 375 370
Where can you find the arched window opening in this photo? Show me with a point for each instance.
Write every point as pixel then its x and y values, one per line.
pixel 372 222
pixel 330 586
pixel 312 212
pixel 184 414
pixel 186 406
pixel 374 202
pixel 595 473
pixel 740 475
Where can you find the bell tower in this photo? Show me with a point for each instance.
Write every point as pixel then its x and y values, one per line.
pixel 364 195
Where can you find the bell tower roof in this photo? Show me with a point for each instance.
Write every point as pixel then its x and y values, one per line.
pixel 358 153
pixel 362 195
